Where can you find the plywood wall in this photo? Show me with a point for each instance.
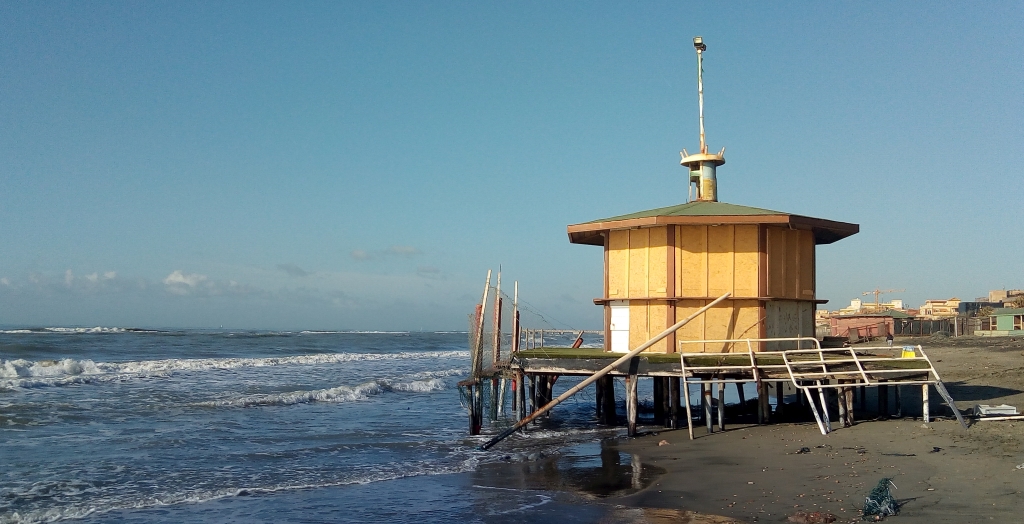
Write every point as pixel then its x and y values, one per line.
pixel 638 263
pixel 713 260
pixel 728 320
pixel 790 263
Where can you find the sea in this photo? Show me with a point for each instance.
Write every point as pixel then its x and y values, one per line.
pixel 111 424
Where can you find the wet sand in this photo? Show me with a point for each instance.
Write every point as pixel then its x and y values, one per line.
pixel 943 473
pixel 752 473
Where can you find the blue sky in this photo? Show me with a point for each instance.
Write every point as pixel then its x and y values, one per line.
pixel 361 165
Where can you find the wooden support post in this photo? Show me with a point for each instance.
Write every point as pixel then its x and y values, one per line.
pixel 924 404
pixel 609 400
pixel 659 395
pixel 883 401
pixel 478 408
pixel 598 398
pixel 863 398
pixel 520 396
pixel 842 406
pixel 721 405
pixel 533 393
pixel 631 405
pixel 673 398
pixel 899 402
pixel 689 408
pixel 705 389
pixel 762 416
pixel 848 398
pixel 780 398
pixel 743 397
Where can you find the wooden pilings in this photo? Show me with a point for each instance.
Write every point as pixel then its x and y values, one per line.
pixel 924 404
pixel 631 405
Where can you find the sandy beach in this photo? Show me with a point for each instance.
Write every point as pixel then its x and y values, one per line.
pixel 770 473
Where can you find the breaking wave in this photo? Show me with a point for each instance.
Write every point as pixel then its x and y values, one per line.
pixel 336 394
pixel 20 373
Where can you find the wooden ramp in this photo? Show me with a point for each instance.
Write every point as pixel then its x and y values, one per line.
pixel 810 367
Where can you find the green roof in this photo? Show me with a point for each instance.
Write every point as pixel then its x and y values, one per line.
pixel 695 209
pixel 709 213
pixel 1008 311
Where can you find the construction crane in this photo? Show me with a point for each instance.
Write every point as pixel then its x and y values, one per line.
pixel 877 292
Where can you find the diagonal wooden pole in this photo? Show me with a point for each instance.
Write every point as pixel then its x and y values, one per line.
pixel 607 369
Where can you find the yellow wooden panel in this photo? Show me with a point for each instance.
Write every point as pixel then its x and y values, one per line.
pixel 806 277
pixel 678 253
pixel 692 331
pixel 746 261
pixel 658 262
pixel 639 240
pixel 776 262
pixel 747 321
pixel 656 317
pixel 720 260
pixel 693 263
pixel 720 324
pixel 618 263
pixel 792 263
pixel 638 328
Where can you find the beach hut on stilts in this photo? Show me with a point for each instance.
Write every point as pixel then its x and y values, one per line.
pixel 707 293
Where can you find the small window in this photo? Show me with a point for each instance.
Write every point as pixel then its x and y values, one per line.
pixel 1018 322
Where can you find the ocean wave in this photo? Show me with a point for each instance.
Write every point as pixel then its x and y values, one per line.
pixel 20 373
pixel 74 330
pixel 128 501
pixel 336 394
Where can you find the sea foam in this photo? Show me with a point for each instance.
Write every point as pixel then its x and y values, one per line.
pixel 20 373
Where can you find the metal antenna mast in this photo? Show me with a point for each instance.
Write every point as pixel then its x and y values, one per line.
pixel 702 166
pixel 698 44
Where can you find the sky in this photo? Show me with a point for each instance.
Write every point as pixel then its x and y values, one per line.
pixel 361 165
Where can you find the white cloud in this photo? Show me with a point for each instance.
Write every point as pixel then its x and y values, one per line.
pixel 69 278
pixel 93 277
pixel 359 254
pixel 110 275
pixel 180 284
pixel 5 281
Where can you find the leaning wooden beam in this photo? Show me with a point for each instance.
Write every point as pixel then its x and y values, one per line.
pixel 478 346
pixel 590 380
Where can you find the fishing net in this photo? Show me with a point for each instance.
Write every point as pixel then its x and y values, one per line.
pixel 880 503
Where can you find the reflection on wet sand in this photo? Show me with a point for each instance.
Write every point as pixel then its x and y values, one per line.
pixel 593 472
pixel 609 473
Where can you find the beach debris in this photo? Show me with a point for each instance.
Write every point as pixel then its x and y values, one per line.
pixel 664 443
pixel 814 517
pixel 880 503
pixel 802 451
pixel 1019 466
pixel 986 410
pixel 935 449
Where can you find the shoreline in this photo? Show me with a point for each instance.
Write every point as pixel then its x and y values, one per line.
pixel 752 473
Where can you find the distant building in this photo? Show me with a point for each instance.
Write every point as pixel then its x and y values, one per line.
pixel 860 326
pixel 858 306
pixel 1004 295
pixel 934 309
pixel 1003 322
pixel 970 309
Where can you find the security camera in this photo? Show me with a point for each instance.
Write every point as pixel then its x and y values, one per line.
pixel 698 43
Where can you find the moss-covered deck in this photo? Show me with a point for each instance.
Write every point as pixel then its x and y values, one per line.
pixel 586 361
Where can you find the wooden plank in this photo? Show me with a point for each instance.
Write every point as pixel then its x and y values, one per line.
pixel 618 264
pixel 639 242
pixel 776 262
pixel 693 251
pixel 657 274
pixel 745 279
pixel 720 259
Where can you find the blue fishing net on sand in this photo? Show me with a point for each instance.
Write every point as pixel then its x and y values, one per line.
pixel 880 503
